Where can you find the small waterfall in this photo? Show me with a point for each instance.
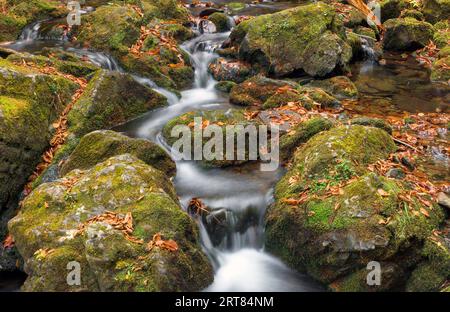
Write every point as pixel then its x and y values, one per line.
pixel 30 32
pixel 369 54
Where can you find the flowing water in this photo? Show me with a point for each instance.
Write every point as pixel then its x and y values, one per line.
pixel 238 197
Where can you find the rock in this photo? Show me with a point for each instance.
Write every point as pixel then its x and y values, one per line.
pixel 308 38
pixel 407 34
pixel 220 20
pixel 396 173
pixel 333 236
pixel 444 200
pixel 98 146
pixel 439 71
pixel 209 11
pixel 317 97
pixel 221 119
pixel 442 35
pixel 116 28
pixel 393 8
pixel 283 98
pixel 111 98
pixel 19 13
pixel 340 86
pixel 412 13
pixel 354 17
pixel 372 122
pixel 29 103
pixel 225 86
pixel 366 31
pixel 45 232
pixel 408 163
pixel 235 6
pixel 256 90
pixel 436 10
pixel 235 71
pixel 301 134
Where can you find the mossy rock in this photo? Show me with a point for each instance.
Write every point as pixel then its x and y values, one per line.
pixel 20 13
pixel 436 10
pixel 29 103
pixel 340 86
pixel 309 38
pixel 372 122
pixel 366 31
pixel 45 228
pixel 439 71
pixel 225 86
pixel 214 120
pixel 111 98
pixel 407 34
pixel 441 37
pixel 412 13
pixel 257 90
pixel 283 98
pixel 393 8
pixel 334 237
pixel 220 20
pixel 313 96
pixel 300 134
pixel 116 28
pixel 98 146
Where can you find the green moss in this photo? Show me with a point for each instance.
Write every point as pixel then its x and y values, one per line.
pixel 372 122
pixel 225 86
pixel 98 146
pixel 339 86
pixel 439 71
pixel 436 10
pixel 407 34
pixel 220 20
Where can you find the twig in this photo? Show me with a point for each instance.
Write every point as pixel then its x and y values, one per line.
pixel 406 144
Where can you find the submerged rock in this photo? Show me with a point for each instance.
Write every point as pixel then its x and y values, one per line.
pixel 334 234
pixel 48 236
pixel 111 98
pixel 405 34
pixel 98 146
pixel 309 38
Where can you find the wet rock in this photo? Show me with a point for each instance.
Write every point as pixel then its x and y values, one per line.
pixel 235 71
pixel 373 122
pixel 284 97
pixel 436 10
pixel 98 146
pixel 408 163
pixel 45 229
pixel 284 119
pixel 317 41
pixel 366 31
pixel 444 200
pixel 340 86
pixel 406 34
pixel 442 35
pixel 396 173
pixel 221 21
pixel 333 237
pixel 257 90
pixel 225 86
pixel 209 11
pixel 111 98
pixel 217 120
pixel 301 134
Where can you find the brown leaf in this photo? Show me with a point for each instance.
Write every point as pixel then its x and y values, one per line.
pixel 8 242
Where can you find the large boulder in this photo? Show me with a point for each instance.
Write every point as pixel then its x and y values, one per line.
pixel 332 215
pixel 406 34
pixel 309 38
pixel 98 146
pixel 143 38
pixel 393 8
pixel 105 219
pixel 111 98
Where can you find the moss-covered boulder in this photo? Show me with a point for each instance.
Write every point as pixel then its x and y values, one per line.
pixel 309 38
pixel 332 215
pixel 215 122
pixel 406 34
pixel 16 14
pixel 441 37
pixel 393 8
pixel 372 122
pixel 301 134
pixel 100 145
pixel 439 70
pixel 111 98
pixel 116 28
pixel 436 10
pixel 256 90
pixel 220 20
pixel 340 86
pixel 29 103
pixel 225 86
pixel 132 202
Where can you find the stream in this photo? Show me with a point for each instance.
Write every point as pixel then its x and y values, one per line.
pixel 237 196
